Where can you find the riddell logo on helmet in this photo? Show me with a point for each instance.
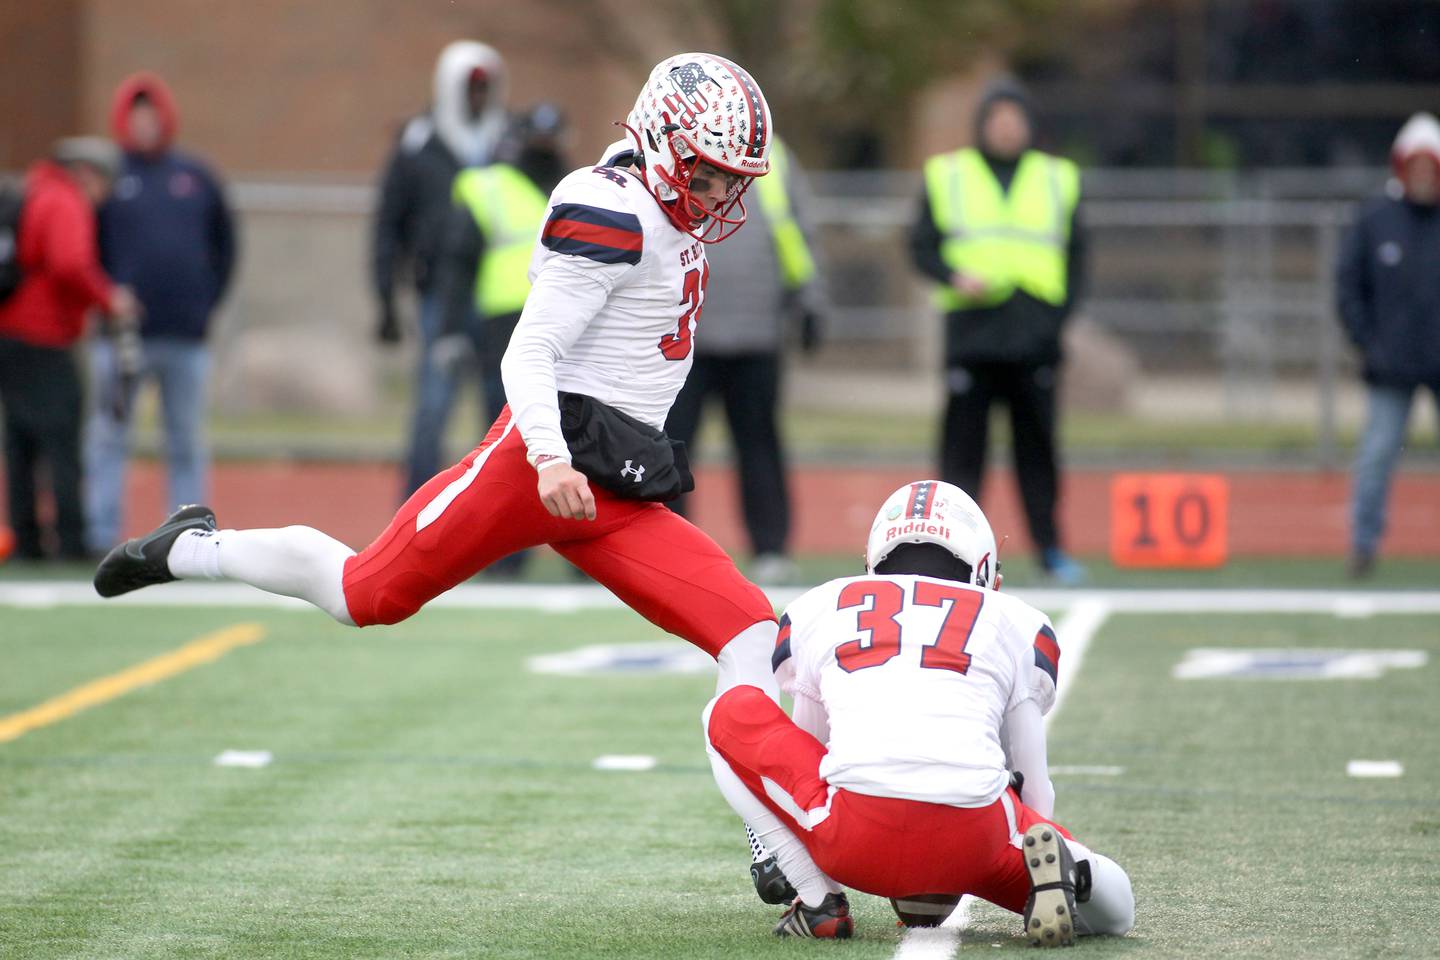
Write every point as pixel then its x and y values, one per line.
pixel 906 529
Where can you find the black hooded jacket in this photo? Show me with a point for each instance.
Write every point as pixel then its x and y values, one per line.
pixel 414 198
pixel 1388 285
pixel 430 151
pixel 1022 329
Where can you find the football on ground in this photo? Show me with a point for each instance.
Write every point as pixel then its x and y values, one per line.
pixel 925 909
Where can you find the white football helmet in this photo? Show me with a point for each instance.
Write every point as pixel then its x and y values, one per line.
pixel 932 511
pixel 697 106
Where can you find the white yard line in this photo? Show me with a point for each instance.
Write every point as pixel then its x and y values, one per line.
pixel 564 599
pixel 1375 768
pixel 1075 631
pixel 931 943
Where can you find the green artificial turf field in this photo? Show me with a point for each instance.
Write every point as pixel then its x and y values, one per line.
pixel 429 796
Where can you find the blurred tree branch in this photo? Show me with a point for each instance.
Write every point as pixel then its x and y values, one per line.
pixel 832 66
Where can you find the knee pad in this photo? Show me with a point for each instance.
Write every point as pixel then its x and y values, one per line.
pixel 742 705
pixel 398 598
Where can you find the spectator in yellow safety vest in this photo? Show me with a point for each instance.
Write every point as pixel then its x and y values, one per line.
pixel 998 231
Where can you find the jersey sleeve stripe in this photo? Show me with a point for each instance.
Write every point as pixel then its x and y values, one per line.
pixel 606 236
pixel 1047 653
pixel 599 252
pixel 782 645
pixel 605 244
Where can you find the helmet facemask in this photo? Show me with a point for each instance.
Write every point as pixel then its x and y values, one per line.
pixel 689 208
pixel 696 111
pixel 674 188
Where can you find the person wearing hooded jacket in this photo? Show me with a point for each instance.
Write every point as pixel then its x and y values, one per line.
pixel 463 128
pixel 998 229
pixel 1388 287
pixel 40 324
pixel 168 232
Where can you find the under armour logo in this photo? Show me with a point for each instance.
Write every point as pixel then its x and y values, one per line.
pixel 636 472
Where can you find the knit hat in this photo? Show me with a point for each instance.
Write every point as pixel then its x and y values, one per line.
pixel 1421 134
pixel 97 153
pixel 1003 87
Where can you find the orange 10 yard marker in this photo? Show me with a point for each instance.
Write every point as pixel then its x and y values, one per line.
pixel 1169 520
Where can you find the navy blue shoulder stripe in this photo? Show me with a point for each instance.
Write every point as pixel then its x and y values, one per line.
pixel 1047 652
pixel 782 645
pixel 608 236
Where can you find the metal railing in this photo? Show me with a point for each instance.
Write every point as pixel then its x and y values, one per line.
pixel 1212 274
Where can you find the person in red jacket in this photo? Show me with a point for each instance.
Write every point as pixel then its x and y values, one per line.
pixel 61 282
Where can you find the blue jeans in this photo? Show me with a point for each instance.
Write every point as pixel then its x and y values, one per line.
pixel 182 370
pixel 1380 445
pixel 436 386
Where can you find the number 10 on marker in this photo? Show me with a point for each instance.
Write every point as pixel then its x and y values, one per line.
pixel 1169 520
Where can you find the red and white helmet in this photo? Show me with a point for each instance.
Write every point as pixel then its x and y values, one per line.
pixel 932 511
pixel 697 106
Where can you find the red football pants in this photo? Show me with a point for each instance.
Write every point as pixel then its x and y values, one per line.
pixel 880 845
pixel 487 506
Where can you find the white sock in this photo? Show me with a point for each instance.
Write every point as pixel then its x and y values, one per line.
pixel 290 561
pixel 789 852
pixel 195 554
pixel 745 659
pixel 1111 907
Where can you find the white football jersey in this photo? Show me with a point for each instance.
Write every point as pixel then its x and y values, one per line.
pixel 916 675
pixel 616 297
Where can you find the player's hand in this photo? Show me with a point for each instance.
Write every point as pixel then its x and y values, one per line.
pixel 125 308
pixel 967 284
pixel 566 493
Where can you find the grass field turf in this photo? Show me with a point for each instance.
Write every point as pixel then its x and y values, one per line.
pixel 432 798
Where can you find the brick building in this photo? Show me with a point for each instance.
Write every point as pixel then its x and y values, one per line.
pixel 281 87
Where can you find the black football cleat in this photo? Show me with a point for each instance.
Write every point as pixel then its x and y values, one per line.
pixel 142 562
pixel 1050 908
pixel 770 883
pixel 829 921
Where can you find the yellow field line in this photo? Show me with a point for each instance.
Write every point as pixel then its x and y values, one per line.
pixel 203 650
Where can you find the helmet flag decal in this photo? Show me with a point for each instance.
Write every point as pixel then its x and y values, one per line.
pixel 922 500
pixel 688 99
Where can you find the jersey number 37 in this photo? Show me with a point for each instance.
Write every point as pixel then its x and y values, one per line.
pixel 879 602
pixel 677 345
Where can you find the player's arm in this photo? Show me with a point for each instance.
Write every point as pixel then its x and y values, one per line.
pixel 1023 737
pixel 562 302
pixel 810 715
pixel 795 676
pixel 1037 664
pixel 591 249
